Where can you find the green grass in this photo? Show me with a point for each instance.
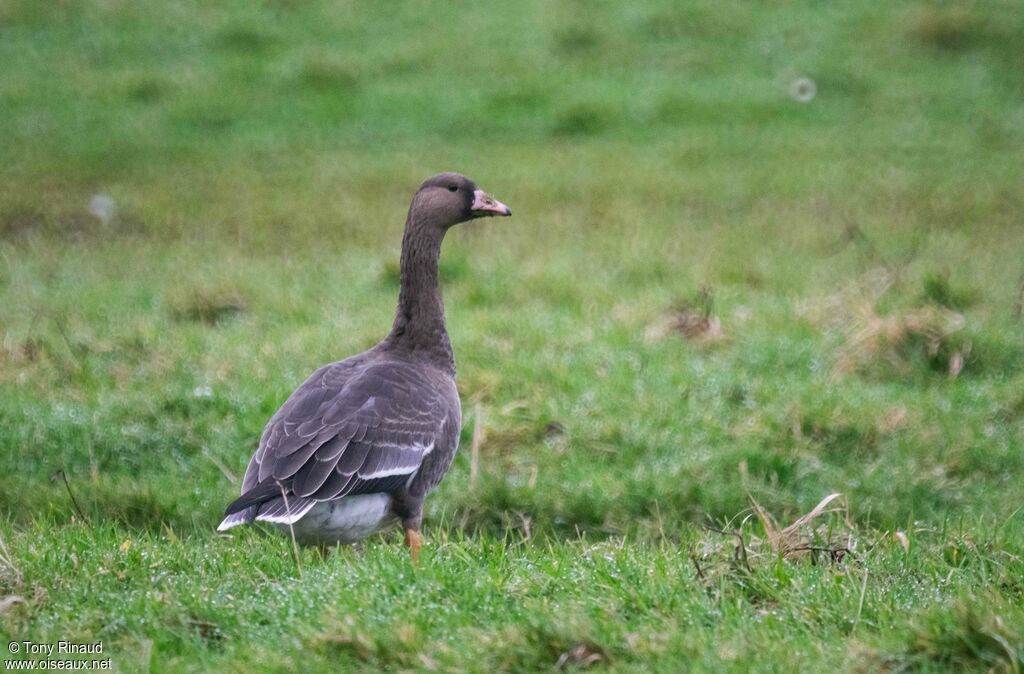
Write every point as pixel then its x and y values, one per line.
pixel 709 293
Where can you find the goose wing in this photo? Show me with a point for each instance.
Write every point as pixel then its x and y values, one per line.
pixel 347 430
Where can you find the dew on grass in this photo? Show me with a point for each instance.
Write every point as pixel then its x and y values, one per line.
pixel 803 90
pixel 102 206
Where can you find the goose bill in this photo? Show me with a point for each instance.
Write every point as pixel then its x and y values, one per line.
pixel 484 204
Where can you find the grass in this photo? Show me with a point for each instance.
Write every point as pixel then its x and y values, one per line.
pixel 711 296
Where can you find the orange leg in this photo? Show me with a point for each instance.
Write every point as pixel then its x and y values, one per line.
pixel 413 541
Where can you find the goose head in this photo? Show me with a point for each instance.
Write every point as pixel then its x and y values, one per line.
pixel 447 199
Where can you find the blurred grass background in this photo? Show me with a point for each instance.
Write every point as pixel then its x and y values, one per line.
pixel 710 290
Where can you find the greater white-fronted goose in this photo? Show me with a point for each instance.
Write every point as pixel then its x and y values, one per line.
pixel 363 441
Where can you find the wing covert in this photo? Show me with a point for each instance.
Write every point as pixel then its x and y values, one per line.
pixel 338 436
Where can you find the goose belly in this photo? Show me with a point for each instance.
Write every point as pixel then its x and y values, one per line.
pixel 344 520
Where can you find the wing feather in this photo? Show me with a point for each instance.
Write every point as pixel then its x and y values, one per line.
pixel 331 450
pixel 348 430
pixel 352 458
pixel 335 486
pixel 312 476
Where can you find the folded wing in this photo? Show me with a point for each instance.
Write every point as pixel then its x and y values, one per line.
pixel 347 430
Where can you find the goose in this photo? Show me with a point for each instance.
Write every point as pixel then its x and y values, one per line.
pixel 362 442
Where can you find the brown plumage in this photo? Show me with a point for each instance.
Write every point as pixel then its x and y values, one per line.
pixel 364 440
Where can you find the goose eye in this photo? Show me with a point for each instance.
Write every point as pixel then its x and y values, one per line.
pixel 453 188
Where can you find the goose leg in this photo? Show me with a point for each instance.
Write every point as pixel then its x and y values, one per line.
pixel 413 541
pixel 410 512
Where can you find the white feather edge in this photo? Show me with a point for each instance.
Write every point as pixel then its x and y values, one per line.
pixel 231 521
pixel 400 470
pixel 288 518
pixel 236 519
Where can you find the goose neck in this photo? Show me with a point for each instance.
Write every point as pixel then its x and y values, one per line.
pixel 419 319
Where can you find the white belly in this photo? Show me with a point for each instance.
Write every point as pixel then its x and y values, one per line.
pixel 344 520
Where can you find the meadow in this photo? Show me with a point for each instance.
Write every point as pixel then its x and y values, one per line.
pixel 717 304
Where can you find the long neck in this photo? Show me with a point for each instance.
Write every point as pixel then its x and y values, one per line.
pixel 419 319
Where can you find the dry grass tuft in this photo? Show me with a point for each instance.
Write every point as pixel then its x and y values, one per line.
pixel 808 538
pixel 207 306
pixel 797 540
pixel 929 337
pixel 8 603
pixel 581 656
pixel 893 339
pixel 693 319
